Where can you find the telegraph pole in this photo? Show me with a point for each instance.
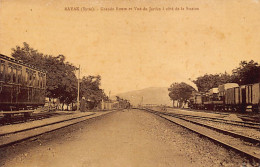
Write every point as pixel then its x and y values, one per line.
pixel 78 89
pixel 142 99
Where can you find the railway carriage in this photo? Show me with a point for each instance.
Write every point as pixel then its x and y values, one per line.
pixel 22 86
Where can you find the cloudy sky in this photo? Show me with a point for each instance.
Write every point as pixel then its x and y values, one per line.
pixel 137 49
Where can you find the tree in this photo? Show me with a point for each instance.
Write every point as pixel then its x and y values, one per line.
pixel 208 81
pixel 180 91
pixel 61 79
pixel 246 73
pixel 90 89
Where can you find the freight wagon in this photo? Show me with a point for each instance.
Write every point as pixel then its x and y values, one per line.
pixel 252 96
pixel 229 97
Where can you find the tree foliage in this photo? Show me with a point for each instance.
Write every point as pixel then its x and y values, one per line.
pixel 246 73
pixel 208 81
pixel 90 89
pixel 180 91
pixel 61 79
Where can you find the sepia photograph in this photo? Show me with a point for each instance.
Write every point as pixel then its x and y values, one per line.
pixel 133 83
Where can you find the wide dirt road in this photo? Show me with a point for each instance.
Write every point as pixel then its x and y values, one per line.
pixel 121 139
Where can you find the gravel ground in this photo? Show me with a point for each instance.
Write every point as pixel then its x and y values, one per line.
pixel 125 139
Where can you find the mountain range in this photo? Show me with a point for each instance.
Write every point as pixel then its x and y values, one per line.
pixel 152 95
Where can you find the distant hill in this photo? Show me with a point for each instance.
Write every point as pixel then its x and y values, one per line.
pixel 153 95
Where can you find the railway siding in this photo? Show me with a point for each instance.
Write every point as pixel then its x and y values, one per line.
pixel 222 130
pixel 248 117
pixel 243 144
pixel 245 131
pixel 237 144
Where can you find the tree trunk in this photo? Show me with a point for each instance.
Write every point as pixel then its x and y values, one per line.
pixel 49 105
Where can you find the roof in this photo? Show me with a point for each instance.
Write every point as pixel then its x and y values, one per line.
pixel 20 62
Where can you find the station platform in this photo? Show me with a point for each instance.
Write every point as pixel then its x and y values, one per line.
pixel 6 129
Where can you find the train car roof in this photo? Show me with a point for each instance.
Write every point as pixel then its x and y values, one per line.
pixel 20 62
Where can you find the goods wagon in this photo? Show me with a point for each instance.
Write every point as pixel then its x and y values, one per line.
pixel 252 96
pixel 232 97
pixel 223 88
pixel 229 96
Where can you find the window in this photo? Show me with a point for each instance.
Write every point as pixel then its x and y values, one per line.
pixel 8 77
pixel 30 79
pixel 26 77
pixel 34 79
pixel 39 79
pixel 2 69
pixel 19 74
pixel 14 73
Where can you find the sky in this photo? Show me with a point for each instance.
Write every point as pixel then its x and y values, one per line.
pixel 135 49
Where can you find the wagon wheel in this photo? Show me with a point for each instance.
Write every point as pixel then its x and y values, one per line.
pixel 27 114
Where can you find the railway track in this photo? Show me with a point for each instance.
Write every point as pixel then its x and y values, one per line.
pixel 250 116
pixel 17 119
pixel 247 124
pixel 10 137
pixel 245 145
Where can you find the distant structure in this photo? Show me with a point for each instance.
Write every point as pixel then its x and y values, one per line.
pixel 108 105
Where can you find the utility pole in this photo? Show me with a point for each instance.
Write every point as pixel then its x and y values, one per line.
pixel 78 90
pixel 141 103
